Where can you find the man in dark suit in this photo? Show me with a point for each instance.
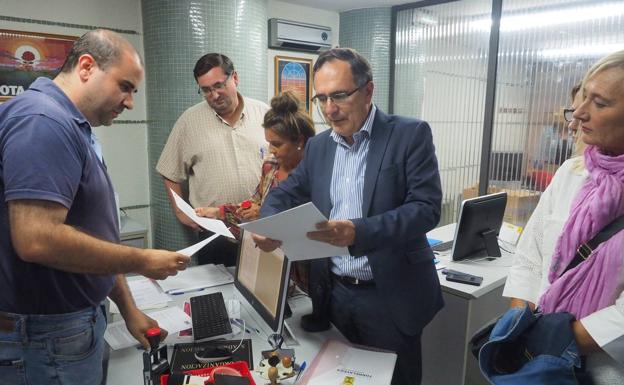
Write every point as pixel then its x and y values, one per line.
pixel 376 177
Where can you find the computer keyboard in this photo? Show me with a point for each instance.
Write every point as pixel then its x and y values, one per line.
pixel 444 246
pixel 210 317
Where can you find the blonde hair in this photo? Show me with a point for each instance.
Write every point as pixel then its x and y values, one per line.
pixel 614 60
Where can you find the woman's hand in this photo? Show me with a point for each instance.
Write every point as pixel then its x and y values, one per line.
pixel 208 212
pixel 249 213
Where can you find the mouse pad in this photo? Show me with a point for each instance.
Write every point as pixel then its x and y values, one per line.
pixel 183 357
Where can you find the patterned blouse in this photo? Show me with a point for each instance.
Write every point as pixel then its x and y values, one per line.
pixel 268 180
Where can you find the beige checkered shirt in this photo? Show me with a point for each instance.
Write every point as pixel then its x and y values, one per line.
pixel 221 163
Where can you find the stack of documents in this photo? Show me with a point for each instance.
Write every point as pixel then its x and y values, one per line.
pixel 196 278
pixel 146 293
pixel 341 363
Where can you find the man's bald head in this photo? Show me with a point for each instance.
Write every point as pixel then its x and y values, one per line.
pixel 105 46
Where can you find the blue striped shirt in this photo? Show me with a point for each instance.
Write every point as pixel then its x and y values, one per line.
pixel 346 192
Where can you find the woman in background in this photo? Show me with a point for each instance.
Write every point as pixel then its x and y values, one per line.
pixel 287 128
pixel 585 195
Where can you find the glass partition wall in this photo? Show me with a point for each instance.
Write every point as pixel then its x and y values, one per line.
pixel 441 74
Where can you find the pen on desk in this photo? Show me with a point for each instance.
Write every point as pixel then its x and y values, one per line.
pixel 186 291
pixel 301 369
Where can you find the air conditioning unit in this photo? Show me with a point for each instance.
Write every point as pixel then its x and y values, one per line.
pixel 292 35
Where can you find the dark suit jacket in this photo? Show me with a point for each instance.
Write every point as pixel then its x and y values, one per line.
pixel 401 202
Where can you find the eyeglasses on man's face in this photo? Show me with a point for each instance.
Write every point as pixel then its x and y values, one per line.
pixel 215 87
pixel 338 98
pixel 568 114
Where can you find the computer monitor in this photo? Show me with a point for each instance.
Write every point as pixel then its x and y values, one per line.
pixel 480 220
pixel 262 280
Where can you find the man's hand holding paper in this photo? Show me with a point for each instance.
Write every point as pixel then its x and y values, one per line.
pixel 266 244
pixel 339 233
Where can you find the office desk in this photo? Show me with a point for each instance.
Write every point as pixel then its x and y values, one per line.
pixel 446 357
pixel 126 366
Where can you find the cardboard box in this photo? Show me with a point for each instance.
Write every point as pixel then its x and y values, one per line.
pixel 520 203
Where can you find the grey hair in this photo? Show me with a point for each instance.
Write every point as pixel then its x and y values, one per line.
pixel 360 68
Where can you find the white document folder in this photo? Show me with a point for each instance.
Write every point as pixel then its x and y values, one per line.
pixel 337 361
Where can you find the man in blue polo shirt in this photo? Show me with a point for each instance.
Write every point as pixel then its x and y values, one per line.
pixel 59 251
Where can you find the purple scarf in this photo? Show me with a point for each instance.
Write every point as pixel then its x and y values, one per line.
pixel 593 284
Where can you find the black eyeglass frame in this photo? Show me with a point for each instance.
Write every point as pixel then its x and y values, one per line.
pixel 568 114
pixel 336 97
pixel 215 87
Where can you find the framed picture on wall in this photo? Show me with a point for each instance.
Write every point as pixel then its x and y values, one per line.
pixel 24 56
pixel 294 74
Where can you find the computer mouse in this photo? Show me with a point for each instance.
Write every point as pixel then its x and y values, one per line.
pixel 212 354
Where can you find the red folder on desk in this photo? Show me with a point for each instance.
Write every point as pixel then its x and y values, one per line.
pixel 342 363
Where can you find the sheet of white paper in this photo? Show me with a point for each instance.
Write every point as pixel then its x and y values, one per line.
pixel 196 278
pixel 172 319
pixel 290 227
pixel 214 225
pixel 189 251
pixel 146 293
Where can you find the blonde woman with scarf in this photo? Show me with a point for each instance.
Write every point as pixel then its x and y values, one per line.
pixel 586 193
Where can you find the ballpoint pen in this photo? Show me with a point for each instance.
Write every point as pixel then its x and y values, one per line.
pixel 186 291
pixel 301 369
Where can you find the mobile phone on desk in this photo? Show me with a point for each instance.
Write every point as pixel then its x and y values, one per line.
pixel 464 278
pixel 446 270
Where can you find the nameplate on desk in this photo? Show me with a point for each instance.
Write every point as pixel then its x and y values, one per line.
pixel 183 357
